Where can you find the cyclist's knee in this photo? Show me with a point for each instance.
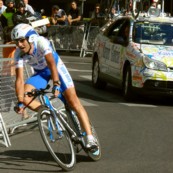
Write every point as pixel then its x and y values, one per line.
pixel 27 100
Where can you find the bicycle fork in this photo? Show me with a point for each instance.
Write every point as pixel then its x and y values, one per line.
pixel 53 125
pixel 52 121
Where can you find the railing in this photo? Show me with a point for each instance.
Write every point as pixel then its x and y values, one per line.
pixel 7 92
pixel 8 98
pixel 74 38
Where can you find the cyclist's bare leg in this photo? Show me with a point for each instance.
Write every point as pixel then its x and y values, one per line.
pixel 35 103
pixel 73 100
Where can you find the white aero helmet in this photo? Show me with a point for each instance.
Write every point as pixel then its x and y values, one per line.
pixel 24 31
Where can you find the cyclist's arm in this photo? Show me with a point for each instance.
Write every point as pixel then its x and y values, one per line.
pixel 52 66
pixel 19 84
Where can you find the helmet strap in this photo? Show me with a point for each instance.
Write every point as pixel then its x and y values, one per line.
pixel 29 45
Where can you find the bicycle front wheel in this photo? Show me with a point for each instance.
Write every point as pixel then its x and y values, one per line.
pixel 56 140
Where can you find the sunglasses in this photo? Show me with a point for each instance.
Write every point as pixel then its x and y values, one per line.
pixel 20 40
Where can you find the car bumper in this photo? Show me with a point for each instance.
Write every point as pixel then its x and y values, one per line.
pixel 162 87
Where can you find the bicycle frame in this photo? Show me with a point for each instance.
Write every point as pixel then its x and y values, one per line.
pixel 58 126
pixel 44 99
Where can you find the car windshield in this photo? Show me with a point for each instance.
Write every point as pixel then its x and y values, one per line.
pixel 153 33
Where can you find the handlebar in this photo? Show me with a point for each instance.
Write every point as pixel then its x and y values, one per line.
pixel 37 92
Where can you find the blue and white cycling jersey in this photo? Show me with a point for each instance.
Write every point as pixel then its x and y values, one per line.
pixel 37 60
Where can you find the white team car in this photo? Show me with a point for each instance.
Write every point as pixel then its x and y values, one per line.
pixel 135 54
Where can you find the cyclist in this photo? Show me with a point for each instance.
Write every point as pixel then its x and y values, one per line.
pixel 37 51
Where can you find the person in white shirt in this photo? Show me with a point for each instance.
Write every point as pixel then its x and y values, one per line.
pixel 28 7
pixel 2 7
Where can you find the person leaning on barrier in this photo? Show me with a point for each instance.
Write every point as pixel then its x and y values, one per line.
pixel 97 16
pixel 21 15
pixel 74 16
pixel 58 16
pixel 2 7
pixel 6 20
pixel 96 13
pixel 113 14
pixel 39 54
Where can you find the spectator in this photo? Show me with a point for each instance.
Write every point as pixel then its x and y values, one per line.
pixel 28 7
pixel 2 7
pixel 74 15
pixel 97 13
pixel 154 4
pixel 6 20
pixel 113 13
pixel 21 15
pixel 97 16
pixel 58 16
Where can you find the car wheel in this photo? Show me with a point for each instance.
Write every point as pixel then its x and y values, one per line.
pixel 127 85
pixel 96 81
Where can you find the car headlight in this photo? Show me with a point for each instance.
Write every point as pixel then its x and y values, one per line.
pixel 154 64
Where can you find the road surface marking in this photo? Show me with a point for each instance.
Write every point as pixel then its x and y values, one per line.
pixel 138 105
pixel 86 103
pixel 70 69
pixel 86 76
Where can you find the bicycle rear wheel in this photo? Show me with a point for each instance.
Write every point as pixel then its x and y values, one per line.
pixel 137 8
pixel 56 140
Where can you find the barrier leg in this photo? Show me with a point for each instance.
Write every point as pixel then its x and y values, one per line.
pixel 4 139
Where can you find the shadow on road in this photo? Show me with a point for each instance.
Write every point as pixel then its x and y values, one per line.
pixel 16 159
pixel 113 94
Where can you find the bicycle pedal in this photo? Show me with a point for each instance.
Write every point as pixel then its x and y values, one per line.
pixel 60 136
pixel 52 140
pixel 93 150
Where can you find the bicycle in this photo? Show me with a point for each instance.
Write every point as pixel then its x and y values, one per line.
pixel 137 6
pixel 61 131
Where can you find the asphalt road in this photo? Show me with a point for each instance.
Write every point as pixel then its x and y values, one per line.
pixel 136 137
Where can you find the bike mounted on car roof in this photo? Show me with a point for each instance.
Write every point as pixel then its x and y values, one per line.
pixel 146 8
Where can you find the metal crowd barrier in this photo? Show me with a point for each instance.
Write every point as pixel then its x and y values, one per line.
pixel 67 37
pixel 7 93
pixel 73 38
pixel 10 120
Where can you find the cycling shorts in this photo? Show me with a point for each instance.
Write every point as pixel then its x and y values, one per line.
pixel 41 78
